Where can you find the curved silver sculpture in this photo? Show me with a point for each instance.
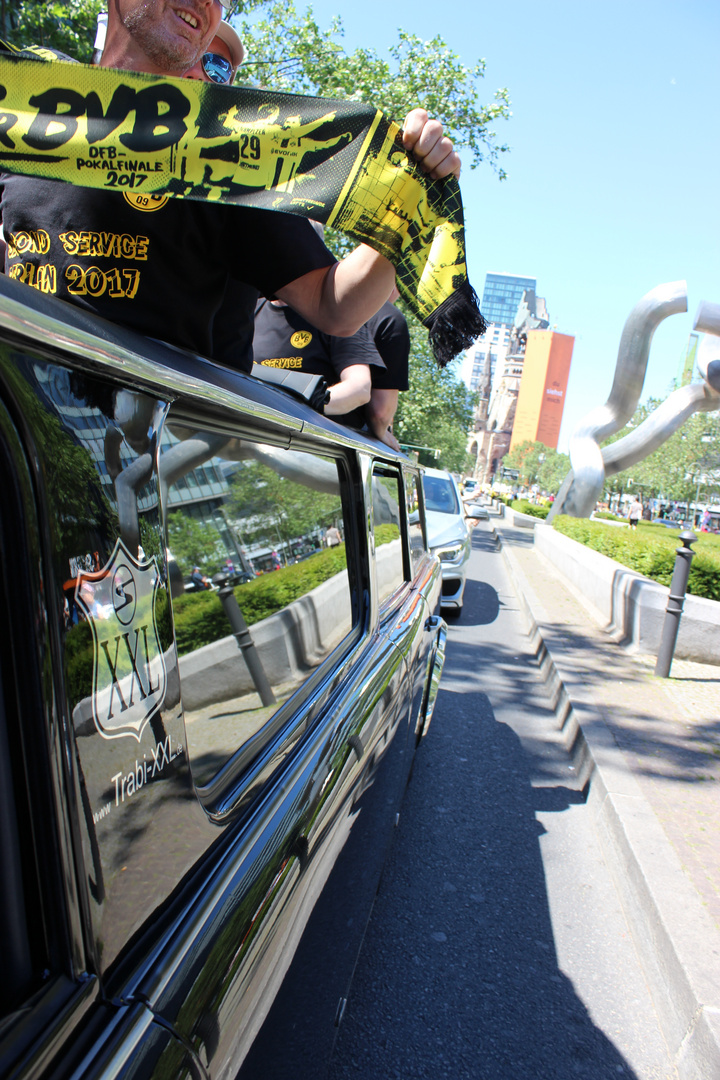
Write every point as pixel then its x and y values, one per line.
pixel 659 426
pixel 682 403
pixel 584 483
pixel 707 321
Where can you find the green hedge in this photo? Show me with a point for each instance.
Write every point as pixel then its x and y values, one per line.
pixel 523 506
pixel 606 515
pixel 200 619
pixel 650 550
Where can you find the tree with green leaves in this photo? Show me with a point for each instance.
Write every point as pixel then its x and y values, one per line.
pixel 194 543
pixel 687 462
pixel 272 508
pixel 538 464
pixel 69 27
pixel 288 50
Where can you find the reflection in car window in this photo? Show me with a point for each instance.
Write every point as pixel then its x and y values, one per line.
pixel 95 447
pixel 388 532
pixel 440 495
pixel 415 529
pixel 262 595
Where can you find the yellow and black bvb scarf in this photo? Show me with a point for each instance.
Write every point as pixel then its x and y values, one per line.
pixel 340 162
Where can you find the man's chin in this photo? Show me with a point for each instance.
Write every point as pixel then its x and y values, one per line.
pixel 170 52
pixel 174 56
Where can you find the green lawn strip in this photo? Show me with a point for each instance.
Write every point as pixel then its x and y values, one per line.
pixel 650 550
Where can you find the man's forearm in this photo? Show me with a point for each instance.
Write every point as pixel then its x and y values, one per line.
pixel 351 392
pixel 380 410
pixel 339 299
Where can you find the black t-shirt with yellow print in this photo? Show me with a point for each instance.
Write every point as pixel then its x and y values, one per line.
pixel 284 339
pixel 155 264
pixel 389 331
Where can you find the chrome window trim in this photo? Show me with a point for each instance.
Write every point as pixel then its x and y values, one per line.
pixel 95 356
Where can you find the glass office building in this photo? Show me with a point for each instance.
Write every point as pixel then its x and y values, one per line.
pixel 501 296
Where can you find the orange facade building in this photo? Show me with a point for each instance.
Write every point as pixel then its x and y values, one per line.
pixel 541 398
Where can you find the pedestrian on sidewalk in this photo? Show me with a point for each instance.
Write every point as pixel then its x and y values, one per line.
pixel 635 513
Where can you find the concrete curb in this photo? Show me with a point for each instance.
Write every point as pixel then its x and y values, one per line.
pixel 289 644
pixel 523 521
pixel 631 603
pixel 677 942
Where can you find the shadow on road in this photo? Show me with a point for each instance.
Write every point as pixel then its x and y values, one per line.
pixel 459 976
pixel 481 604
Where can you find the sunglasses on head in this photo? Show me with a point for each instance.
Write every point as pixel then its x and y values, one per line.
pixel 217 68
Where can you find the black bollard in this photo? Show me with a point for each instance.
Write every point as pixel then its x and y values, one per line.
pixel 676 599
pixel 243 638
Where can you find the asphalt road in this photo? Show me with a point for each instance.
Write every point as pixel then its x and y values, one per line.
pixel 497 948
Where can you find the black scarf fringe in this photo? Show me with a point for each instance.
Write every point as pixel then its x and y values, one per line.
pixel 456 324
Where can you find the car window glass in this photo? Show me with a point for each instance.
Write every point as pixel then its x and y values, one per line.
pixel 440 495
pixel 387 523
pixel 106 592
pixel 415 521
pixel 261 594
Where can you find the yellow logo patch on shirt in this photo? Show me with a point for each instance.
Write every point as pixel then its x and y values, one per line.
pixel 300 339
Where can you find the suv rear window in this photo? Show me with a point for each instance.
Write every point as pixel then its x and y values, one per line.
pixel 440 495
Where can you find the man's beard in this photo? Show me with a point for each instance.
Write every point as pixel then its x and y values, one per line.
pixel 170 54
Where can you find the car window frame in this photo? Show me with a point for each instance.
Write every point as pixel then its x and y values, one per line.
pixel 241 779
pixel 414 475
pixel 394 599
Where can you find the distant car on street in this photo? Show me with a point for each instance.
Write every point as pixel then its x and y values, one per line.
pixel 448 534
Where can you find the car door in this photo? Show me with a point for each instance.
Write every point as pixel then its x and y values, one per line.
pixel 318 776
pixel 52 1004
pixel 408 584
pixel 427 584
pixel 178 827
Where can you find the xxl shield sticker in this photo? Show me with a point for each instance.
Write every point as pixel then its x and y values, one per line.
pixel 129 674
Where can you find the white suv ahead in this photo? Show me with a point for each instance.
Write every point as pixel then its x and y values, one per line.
pixel 448 534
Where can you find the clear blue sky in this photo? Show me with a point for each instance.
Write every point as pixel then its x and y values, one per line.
pixel 613 177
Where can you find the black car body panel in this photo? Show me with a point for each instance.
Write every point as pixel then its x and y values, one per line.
pixel 195 811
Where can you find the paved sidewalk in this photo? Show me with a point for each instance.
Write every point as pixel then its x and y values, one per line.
pixel 650 751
